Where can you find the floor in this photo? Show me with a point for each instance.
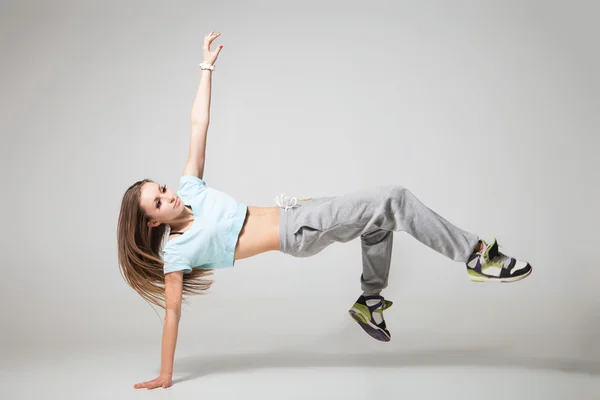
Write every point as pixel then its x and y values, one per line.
pixel 105 374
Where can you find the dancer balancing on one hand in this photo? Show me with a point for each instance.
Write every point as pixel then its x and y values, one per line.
pixel 169 242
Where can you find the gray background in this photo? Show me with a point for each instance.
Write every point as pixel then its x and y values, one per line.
pixel 487 111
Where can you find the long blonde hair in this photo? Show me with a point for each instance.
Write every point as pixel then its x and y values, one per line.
pixel 139 252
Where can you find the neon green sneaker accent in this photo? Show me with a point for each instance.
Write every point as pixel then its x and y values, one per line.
pixel 363 312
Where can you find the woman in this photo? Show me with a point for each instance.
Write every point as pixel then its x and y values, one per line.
pixel 168 242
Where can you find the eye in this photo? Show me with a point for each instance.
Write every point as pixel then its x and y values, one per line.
pixel 162 189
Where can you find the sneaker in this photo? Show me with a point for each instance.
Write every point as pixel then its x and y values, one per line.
pixel 490 265
pixel 368 312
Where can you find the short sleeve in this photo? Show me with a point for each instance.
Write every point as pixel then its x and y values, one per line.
pixel 191 182
pixel 175 262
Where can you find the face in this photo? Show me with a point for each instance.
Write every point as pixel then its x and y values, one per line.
pixel 160 203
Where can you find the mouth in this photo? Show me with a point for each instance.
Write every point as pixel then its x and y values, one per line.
pixel 176 203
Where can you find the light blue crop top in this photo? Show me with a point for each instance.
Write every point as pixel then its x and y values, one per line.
pixel 212 238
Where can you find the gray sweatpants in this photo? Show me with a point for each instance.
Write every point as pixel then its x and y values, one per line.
pixel 373 214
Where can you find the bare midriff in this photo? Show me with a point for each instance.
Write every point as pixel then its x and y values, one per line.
pixel 260 232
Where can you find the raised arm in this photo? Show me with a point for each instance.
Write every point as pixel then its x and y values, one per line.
pixel 173 291
pixel 200 114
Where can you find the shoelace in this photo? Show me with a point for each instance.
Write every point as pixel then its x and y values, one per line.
pixel 500 258
pixel 286 202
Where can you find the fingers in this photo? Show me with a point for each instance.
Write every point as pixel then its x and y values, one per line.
pixel 153 384
pixel 211 36
pixel 140 385
pixel 143 385
pixel 148 384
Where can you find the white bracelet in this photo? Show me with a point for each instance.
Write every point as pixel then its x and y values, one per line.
pixel 204 65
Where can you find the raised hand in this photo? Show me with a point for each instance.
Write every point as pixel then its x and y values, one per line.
pixel 210 57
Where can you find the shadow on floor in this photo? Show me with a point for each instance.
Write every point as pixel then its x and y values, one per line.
pixel 196 367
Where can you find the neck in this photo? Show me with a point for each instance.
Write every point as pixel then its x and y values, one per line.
pixel 182 222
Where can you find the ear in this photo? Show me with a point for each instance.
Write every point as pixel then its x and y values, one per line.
pixel 153 224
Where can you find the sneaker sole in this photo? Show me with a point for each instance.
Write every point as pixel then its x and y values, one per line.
pixel 479 279
pixel 371 329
